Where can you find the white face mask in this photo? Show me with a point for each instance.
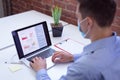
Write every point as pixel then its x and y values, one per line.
pixel 79 27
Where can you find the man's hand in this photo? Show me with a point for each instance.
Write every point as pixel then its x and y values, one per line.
pixel 38 63
pixel 62 57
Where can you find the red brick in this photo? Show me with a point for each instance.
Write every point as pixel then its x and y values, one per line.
pixel 73 2
pixel 15 10
pixel 39 9
pixel 118 12
pixel 64 18
pixel 68 6
pixel 49 2
pixel 73 21
pixel 118 3
pixel 71 7
pixel 22 5
pixel 69 20
pixel 116 29
pixel 116 21
pixel 38 4
pixel 68 13
pixel 65 12
pixel 70 2
pixel 59 3
pixel 48 7
pixel 48 12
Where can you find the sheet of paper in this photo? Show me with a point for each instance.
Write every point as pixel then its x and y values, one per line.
pixel 14 67
pixel 70 46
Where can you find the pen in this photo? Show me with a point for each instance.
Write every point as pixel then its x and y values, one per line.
pixel 64 41
pixel 13 63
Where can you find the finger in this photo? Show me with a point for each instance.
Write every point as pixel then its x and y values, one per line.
pixel 33 60
pixel 56 56
pixel 40 58
pixel 57 53
pixel 59 60
pixel 56 60
pixel 31 64
pixel 36 58
pixel 44 60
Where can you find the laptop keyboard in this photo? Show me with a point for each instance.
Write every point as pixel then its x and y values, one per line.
pixel 44 54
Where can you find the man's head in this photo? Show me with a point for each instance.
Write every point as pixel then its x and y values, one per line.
pixel 101 12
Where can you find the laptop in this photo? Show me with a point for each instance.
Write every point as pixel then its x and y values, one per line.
pixel 32 41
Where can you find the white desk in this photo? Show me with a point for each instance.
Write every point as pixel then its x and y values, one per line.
pixel 72 32
pixel 25 73
pixel 10 23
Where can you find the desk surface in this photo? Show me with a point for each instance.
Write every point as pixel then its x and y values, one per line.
pixel 20 20
pixel 10 54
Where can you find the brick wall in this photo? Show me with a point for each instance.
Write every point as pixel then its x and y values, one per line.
pixel 68 6
pixel 116 23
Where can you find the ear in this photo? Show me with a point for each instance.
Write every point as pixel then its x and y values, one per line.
pixel 90 22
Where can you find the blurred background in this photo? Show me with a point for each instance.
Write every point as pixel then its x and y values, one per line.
pixel 10 7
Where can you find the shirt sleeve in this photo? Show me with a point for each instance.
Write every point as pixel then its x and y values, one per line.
pixel 76 56
pixel 82 72
pixel 74 72
pixel 42 75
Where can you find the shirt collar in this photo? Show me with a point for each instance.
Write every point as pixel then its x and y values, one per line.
pixel 102 43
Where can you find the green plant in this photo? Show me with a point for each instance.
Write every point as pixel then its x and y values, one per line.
pixel 56 14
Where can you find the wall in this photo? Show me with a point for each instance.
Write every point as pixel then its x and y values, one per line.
pixel 1 9
pixel 69 8
pixel 116 23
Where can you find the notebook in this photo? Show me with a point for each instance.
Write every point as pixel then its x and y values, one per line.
pixel 32 41
pixel 71 46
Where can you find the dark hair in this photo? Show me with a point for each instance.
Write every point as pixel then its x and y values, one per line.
pixel 103 11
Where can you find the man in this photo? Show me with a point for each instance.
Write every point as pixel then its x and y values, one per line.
pixel 100 59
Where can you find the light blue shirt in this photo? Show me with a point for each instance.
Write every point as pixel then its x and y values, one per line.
pixel 100 60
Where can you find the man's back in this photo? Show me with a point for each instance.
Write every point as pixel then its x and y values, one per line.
pixel 113 70
pixel 102 56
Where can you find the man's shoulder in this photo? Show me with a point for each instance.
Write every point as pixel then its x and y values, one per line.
pixel 118 40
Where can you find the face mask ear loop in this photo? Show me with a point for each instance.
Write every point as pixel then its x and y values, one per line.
pixel 80 23
pixel 82 20
pixel 87 32
pixel 84 35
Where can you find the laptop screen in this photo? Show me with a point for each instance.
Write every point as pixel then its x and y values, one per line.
pixel 31 39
